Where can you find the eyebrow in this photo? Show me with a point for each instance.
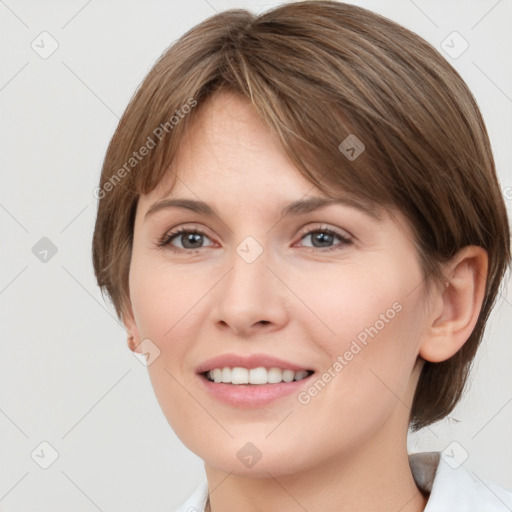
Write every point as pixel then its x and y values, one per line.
pixel 295 208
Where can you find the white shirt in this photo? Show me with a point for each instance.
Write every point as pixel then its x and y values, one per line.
pixel 451 490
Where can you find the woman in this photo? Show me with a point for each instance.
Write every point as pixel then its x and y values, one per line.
pixel 301 227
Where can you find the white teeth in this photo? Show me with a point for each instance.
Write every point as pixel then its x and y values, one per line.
pixel 239 376
pixel 288 375
pixel 217 375
pixel 301 374
pixel 257 376
pixel 274 376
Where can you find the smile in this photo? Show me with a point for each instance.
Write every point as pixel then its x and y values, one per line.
pixel 256 376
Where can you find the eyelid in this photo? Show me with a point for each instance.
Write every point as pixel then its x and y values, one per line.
pixel 171 233
pixel 165 240
pixel 321 226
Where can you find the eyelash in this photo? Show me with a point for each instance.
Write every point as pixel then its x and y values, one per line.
pixel 166 239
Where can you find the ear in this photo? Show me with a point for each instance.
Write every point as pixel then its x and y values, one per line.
pixel 133 336
pixel 456 308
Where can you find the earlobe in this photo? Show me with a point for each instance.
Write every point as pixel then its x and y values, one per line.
pixel 456 308
pixel 134 347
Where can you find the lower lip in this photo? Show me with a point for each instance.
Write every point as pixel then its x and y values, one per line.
pixel 246 396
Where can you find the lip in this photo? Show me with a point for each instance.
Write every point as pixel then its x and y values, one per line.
pixel 246 396
pixel 248 361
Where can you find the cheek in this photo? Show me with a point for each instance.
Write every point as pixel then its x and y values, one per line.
pixel 373 319
pixel 163 306
pixel 163 300
pixel 354 299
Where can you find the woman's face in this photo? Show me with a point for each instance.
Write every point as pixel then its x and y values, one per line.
pixel 333 290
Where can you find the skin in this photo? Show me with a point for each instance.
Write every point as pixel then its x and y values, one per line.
pixel 346 448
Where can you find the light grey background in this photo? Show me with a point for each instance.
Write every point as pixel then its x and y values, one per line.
pixel 66 374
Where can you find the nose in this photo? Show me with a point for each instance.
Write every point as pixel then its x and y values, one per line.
pixel 251 298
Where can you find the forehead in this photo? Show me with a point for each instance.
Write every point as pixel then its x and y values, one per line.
pixel 227 145
pixel 229 154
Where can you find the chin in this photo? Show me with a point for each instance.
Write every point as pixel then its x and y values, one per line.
pixel 255 460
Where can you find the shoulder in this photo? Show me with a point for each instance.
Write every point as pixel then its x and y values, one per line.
pixel 197 501
pixel 454 488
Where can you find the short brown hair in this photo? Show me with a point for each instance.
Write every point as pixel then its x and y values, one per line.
pixel 317 72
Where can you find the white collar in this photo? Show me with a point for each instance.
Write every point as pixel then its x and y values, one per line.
pixel 456 489
pixel 451 490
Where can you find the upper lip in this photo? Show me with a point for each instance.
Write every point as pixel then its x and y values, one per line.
pixel 248 361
